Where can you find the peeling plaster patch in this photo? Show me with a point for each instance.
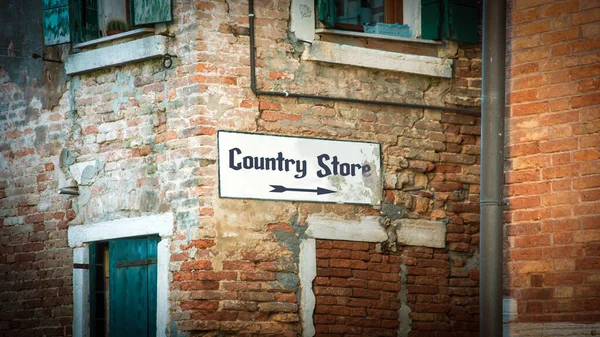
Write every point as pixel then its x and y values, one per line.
pixel 404 311
pixel 331 227
pixel 123 88
pixel 416 232
pixel 291 240
pixel 308 272
pixel 219 103
pixel 77 171
pixel 248 218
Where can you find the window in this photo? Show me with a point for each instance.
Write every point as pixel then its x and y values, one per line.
pixel 82 237
pixel 456 20
pixel 79 21
pixel 360 15
pixel 123 287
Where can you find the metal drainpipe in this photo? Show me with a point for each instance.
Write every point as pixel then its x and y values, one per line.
pixel 259 92
pixel 492 168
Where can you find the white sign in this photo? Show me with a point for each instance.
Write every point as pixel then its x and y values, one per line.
pixel 256 166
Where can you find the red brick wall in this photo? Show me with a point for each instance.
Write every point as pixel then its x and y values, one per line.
pixel 247 296
pixel 234 262
pixel 356 290
pixel 553 178
pixel 35 261
pixel 359 291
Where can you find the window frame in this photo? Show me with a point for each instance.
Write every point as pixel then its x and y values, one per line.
pixel 64 20
pixel 79 238
pixel 411 11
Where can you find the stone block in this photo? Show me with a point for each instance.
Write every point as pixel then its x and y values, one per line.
pixel 417 232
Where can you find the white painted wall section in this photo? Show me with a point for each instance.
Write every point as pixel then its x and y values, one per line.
pixel 303 19
pixel 329 227
pixel 412 16
pixel 162 289
pixel 378 59
pixel 136 50
pixel 81 291
pixel 307 273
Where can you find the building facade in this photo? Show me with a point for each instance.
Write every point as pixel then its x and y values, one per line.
pixel 114 217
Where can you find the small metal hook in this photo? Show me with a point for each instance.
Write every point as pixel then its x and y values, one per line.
pixel 168 60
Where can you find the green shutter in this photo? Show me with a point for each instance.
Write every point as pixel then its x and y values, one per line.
pixel 133 286
pixel 84 14
pixel 326 10
pixel 462 21
pixel 430 19
pixel 91 29
pixel 150 11
pixel 57 28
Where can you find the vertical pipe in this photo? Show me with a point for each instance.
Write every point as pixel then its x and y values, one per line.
pixel 492 162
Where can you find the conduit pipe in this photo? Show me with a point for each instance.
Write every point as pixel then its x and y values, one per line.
pixel 259 92
pixel 492 164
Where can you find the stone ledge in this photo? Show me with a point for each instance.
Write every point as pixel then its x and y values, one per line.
pixel 378 59
pixel 424 233
pixel 136 50
pixel 328 227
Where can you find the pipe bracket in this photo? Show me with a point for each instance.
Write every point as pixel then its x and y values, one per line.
pixel 492 202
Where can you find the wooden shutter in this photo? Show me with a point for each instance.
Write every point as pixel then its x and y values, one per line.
pixel 326 10
pixel 84 20
pixel 150 11
pixel 462 21
pixel 57 24
pixel 90 28
pixel 133 286
pixel 431 18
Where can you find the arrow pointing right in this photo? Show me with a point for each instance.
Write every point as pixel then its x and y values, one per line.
pixel 318 190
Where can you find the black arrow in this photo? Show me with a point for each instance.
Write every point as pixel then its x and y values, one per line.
pixel 281 189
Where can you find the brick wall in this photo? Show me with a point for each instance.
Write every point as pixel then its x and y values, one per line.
pixel 35 263
pixel 553 163
pixel 244 297
pixel 357 290
pixel 234 266
pixel 417 291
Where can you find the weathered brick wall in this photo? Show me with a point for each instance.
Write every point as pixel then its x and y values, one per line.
pixel 363 290
pixel 35 262
pixel 553 164
pixel 357 290
pixel 234 265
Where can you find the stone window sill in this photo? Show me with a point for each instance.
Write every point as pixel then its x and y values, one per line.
pixel 105 39
pixel 331 52
pixel 131 51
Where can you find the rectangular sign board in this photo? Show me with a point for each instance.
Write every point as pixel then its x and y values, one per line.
pixel 269 167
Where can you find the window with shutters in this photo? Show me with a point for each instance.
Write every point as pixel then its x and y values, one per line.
pixel 394 35
pixel 123 287
pixel 456 20
pixel 80 21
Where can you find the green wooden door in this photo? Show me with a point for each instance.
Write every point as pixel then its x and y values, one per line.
pixel 133 282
